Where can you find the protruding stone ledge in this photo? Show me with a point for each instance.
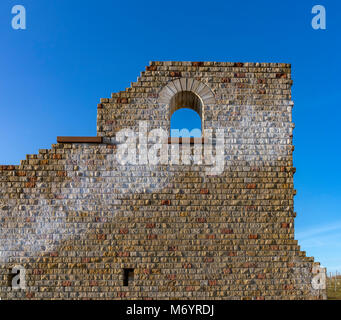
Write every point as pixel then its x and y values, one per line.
pixel 79 139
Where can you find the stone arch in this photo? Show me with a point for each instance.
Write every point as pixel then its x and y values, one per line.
pixel 185 99
pixel 186 93
pixel 186 84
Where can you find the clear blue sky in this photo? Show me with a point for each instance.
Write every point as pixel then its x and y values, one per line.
pixel 72 53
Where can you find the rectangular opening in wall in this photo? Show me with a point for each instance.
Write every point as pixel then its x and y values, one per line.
pixel 128 276
pixel 11 277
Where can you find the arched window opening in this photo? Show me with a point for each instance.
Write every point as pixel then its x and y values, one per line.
pixel 185 123
pixel 186 115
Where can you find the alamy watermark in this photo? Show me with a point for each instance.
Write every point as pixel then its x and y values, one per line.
pixel 319 281
pixel 152 148
pixel 319 20
pixel 19 279
pixel 19 20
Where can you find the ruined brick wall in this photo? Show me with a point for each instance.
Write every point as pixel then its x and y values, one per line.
pixel 75 218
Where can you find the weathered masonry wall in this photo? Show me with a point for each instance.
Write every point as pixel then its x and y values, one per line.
pixel 77 220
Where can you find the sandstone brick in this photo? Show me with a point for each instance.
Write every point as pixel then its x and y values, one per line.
pixel 226 231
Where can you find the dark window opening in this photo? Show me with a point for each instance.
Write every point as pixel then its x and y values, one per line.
pixel 128 276
pixel 11 277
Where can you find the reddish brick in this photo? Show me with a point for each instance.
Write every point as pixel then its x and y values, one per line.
pixel 21 173
pixel 93 283
pixel 204 191
pixel 171 276
pixel 253 236
pixel 232 254
pixel 261 91
pixel 165 202
pixel 261 81
pixel 99 106
pixel 38 271
pixel 187 265
pixel 261 276
pixel 122 294
pixel 201 219
pixel 285 225
pixel 124 231
pixel 54 254
pixel 122 100
pixel 151 68
pixel 225 80
pixel 212 282
pixel 175 74
pixel 61 174
pixel 226 231
pixel 123 254
pixel 239 64
pixel 197 63
pixel 152 236
pixel 150 225
pixel 8 168
pixel 251 186
pixel 239 75
pixel 101 236
pixel 281 76
pixel 208 260
pixel 66 283
pixel 210 236
pixel 56 156
pixel 29 295
pixel 172 248
pixel 30 185
pixel 288 287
